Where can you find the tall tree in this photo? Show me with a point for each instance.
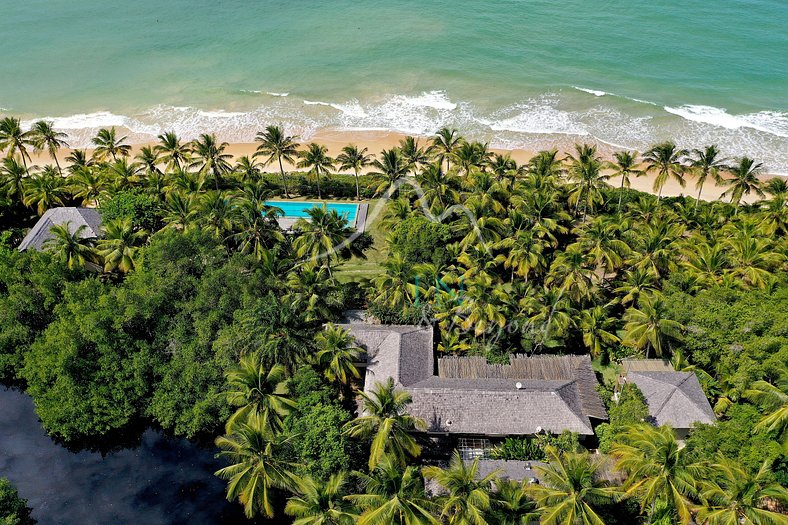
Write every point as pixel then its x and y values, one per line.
pixel 259 392
pixel 413 154
pixel 744 180
pixel 625 166
pixel 321 503
pixel 13 177
pixel 390 165
pixel 444 143
pixel 665 159
pixel 70 245
pixel 353 158
pixel 258 465
pixel 119 245
pixel 316 159
pixel 108 145
pixel 586 172
pixel 45 137
pixel 13 139
pixel 319 237
pixel 468 493
pixel 647 326
pixel 337 353
pixel 706 163
pixel 211 159
pixel 45 190
pixel 174 153
pixel 387 423
pixel 275 144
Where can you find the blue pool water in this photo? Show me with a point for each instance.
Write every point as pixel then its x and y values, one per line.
pixel 298 209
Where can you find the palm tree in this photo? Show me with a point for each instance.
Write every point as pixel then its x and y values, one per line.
pixel 217 211
pixel 706 163
pixel 258 391
pixel 753 259
pixel 211 158
pixel 502 166
pixel 248 169
pixel 173 153
pixel 737 497
pixel 570 490
pixel 413 154
pixel 665 159
pixel 511 504
pixel 258 465
pixel 122 174
pixel 73 248
pixel 636 282
pixel 390 165
pixel 178 210
pixel 13 139
pixel 276 145
pixel 393 495
pixel 320 236
pixel 467 496
pixel 774 400
pixel 354 159
pixel 108 145
pixel 648 327
pixel 386 422
pixel 745 180
pixel 119 245
pixel 598 329
pixel 625 166
pixel 12 178
pixel 148 160
pixel 45 190
pixel 657 469
pixel 444 143
pixel 44 136
pixel 337 353
pixel 317 160
pixel 323 503
pixel 440 188
pixel 585 171
pixel 78 159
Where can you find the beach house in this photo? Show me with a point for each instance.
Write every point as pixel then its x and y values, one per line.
pixel 76 217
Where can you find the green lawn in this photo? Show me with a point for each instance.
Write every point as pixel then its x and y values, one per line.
pixel 609 371
pixel 356 269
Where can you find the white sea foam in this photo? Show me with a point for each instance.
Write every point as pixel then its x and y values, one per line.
pixel 251 91
pixel 594 92
pixel 275 94
pixel 772 122
pixel 432 99
pixel 536 116
pixel 316 103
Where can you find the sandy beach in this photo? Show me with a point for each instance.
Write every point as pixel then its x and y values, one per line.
pixel 376 141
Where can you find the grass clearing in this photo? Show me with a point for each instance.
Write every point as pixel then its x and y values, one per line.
pixel 356 269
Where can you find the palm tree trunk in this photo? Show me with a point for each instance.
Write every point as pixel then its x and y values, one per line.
pixel 317 176
pixel 621 193
pixel 284 180
pixel 700 189
pixel 358 193
pixel 54 156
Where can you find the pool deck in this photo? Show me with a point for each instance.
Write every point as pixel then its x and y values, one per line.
pixel 286 223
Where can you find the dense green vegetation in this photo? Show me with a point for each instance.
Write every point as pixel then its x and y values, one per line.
pixel 195 312
pixel 13 509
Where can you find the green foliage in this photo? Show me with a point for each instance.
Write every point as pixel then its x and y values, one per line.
pixel 420 240
pixel 13 509
pixel 533 448
pixel 631 407
pixel 733 438
pixel 142 209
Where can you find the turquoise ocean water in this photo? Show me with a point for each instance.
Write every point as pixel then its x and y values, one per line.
pixel 516 73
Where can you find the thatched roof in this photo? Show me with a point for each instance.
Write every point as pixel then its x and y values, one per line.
pixel 645 365
pixel 40 232
pixel 674 398
pixel 468 396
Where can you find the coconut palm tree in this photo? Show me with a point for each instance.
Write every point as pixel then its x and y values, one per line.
pixel 45 190
pixel 108 145
pixel 440 188
pixel 511 505
pixel 600 238
pixel 412 153
pixel 78 159
pixel 210 158
pixel 598 329
pixel 316 159
pixel 390 165
pixel 636 281
pixel 178 210
pixel 647 326
pixel 73 248
pixel 744 180
pixel 444 143
pixel 736 496
pixel 122 174
pixel 148 160
pixel 13 177
pixel 386 422
pixel 586 172
pixel 354 159
pixel 174 154
pixel 312 291
pixel 625 166
pixel 753 258
pixel 657 469
pixel 258 465
pixel 503 166
pixel 468 494
pixel 570 491
pixel 337 354
pixel 393 495
pixel 258 391
pixel 274 144
pixel 320 236
pixel 706 163
pixel 44 136
pixel 773 398
pixel 119 245
pixel 571 272
pixel 13 139
pixel 248 169
pixel 321 503
pixel 665 159
pixel 217 211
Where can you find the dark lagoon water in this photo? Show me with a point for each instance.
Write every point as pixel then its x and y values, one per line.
pixel 160 480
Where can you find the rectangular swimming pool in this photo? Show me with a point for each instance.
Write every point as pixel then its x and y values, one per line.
pixel 298 209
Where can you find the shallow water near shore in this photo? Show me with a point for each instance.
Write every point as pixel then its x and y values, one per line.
pixel 520 74
pixel 159 480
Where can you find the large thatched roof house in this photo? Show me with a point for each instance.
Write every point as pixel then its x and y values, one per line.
pixel 76 217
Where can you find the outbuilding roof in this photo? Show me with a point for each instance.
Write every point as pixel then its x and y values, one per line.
pixel 674 398
pixel 76 217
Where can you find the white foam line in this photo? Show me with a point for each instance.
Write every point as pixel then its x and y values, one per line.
pixel 275 94
pixel 594 92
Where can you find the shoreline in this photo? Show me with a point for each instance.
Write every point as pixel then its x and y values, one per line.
pixel 377 140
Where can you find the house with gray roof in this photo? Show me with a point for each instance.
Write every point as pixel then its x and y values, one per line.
pixel 673 398
pixel 474 402
pixel 76 217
